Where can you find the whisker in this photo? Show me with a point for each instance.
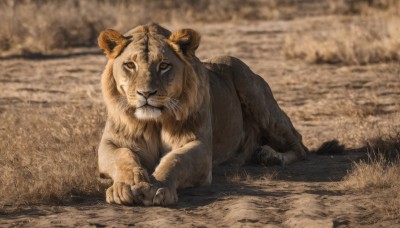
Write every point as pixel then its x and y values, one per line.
pixel 173 106
pixel 123 104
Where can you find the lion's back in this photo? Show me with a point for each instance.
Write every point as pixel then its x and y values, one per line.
pixel 221 64
pixel 242 102
pixel 226 109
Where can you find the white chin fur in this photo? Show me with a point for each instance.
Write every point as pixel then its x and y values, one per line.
pixel 147 113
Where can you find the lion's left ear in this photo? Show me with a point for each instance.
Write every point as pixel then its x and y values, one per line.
pixel 112 43
pixel 187 40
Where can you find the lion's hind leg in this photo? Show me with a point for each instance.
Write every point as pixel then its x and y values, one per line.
pixel 282 145
pixel 267 156
pixel 279 142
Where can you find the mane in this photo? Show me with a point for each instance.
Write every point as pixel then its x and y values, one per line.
pixel 194 100
pixel 194 94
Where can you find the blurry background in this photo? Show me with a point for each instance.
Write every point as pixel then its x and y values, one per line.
pixel 42 26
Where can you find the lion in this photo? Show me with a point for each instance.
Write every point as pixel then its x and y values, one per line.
pixel 172 117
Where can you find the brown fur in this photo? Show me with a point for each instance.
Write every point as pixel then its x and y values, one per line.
pixel 112 42
pixel 175 123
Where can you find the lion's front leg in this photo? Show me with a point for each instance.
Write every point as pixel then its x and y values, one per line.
pixel 184 167
pixel 124 168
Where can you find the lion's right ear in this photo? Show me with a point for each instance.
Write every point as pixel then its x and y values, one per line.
pixel 185 41
pixel 112 43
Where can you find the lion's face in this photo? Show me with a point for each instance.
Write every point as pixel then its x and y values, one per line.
pixel 149 75
pixel 149 70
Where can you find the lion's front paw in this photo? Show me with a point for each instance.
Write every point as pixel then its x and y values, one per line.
pixel 119 193
pixel 139 175
pixel 149 194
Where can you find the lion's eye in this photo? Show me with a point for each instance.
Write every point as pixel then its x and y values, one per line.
pixel 163 66
pixel 130 65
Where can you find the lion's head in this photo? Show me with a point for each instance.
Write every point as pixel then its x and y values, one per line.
pixel 152 73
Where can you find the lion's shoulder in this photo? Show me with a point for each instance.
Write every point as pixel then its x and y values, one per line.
pixel 223 62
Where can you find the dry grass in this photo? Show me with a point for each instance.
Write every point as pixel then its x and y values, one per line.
pixel 39 26
pixel 354 41
pixel 379 174
pixel 44 27
pixel 349 42
pixel 365 7
pixel 49 155
pixel 242 176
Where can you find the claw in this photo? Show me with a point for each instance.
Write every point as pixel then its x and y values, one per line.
pixel 159 197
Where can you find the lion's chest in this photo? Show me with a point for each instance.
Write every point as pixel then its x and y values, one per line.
pixel 166 142
pixel 171 141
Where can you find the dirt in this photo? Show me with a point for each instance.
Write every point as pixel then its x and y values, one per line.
pixel 325 102
pixel 305 194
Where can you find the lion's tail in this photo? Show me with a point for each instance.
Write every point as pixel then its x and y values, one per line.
pixel 330 148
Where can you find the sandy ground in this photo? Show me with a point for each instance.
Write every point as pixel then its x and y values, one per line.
pixel 347 103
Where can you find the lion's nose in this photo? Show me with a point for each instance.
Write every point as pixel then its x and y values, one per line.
pixel 146 94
